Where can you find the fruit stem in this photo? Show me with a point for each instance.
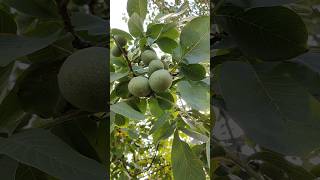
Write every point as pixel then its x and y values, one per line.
pixel 125 54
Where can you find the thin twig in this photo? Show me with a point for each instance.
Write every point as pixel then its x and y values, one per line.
pixel 125 54
pixel 65 118
pixel 152 161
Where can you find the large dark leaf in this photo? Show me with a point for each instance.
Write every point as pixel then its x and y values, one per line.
pixel 195 40
pixel 12 47
pixel 8 25
pixel 39 92
pixel 137 6
pixel 38 8
pixel 93 24
pixel 44 151
pixel 294 172
pixel 11 113
pixel 259 3
pixel 8 168
pixel 185 165
pixel 272 108
pixel 269 33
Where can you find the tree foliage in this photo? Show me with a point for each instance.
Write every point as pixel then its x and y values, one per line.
pixel 265 89
pixel 160 119
pixel 42 135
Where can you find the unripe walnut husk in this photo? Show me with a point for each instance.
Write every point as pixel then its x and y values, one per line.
pixel 139 86
pixel 155 65
pixel 121 40
pixel 116 52
pixel 147 56
pixel 83 79
pixel 160 80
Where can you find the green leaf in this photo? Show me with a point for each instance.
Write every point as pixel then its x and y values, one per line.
pixel 39 91
pixel 159 122
pixel 11 113
pixel 27 172
pixel 293 171
pixel 8 168
pixel 268 33
pixel 125 110
pixel 137 6
pixel 8 25
pixel 195 135
pixel 38 147
pixel 122 33
pixel 194 72
pixel 117 76
pixel 18 46
pixel 56 51
pixel 42 8
pixel 310 60
pixel 86 22
pixel 135 25
pixel 163 132
pixel 185 165
pixel 271 107
pixel 167 45
pixel 155 109
pixel 42 29
pixel 157 31
pixel 165 100
pixel 5 73
pixel 195 94
pixel 195 40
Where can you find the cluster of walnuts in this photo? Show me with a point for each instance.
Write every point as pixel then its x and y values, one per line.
pixel 158 78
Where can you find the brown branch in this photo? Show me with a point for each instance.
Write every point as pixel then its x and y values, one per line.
pixel 125 54
pixel 91 5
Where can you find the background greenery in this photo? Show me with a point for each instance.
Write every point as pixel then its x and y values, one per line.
pixel 162 136
pixel 265 59
pixel 42 135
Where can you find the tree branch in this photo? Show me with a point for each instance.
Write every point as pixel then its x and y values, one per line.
pixel 125 54
pixel 63 11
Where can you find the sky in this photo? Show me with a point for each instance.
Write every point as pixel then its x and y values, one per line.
pixel 117 9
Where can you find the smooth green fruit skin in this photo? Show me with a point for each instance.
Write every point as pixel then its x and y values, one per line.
pixel 121 40
pixel 160 80
pixel 147 56
pixel 83 79
pixel 116 52
pixel 139 86
pixel 155 65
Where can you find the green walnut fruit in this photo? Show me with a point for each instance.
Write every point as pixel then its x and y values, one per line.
pixel 147 56
pixel 155 65
pixel 121 40
pixel 119 120
pixel 116 52
pixel 160 80
pixel 139 86
pixel 83 79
